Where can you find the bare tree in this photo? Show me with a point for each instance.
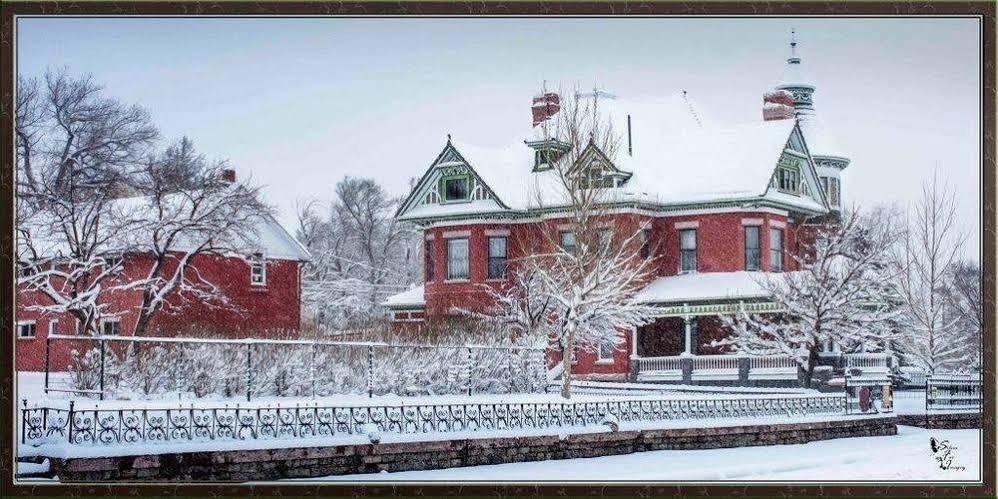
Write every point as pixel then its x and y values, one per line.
pixel 76 150
pixel 925 258
pixel 581 288
pixel 841 294
pixel 187 207
pixel 963 296
pixel 361 254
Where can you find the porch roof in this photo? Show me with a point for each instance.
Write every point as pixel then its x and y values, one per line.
pixel 705 286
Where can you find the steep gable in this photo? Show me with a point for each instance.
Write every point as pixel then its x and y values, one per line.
pixel 450 186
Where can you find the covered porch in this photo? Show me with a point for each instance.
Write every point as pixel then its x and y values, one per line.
pixel 677 348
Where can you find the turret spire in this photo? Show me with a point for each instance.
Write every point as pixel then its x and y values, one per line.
pixel 793 48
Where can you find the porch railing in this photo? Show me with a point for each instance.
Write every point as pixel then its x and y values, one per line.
pixel 716 367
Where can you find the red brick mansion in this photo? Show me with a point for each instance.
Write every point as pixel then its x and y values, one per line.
pixel 715 208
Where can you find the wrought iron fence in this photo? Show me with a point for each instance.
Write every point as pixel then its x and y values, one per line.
pixel 262 367
pixel 97 426
pixel 953 391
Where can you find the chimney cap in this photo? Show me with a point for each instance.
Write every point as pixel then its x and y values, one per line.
pixel 229 175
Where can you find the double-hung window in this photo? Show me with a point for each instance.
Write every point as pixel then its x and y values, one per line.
pixel 752 252
pixel 110 327
pixel 567 241
pixel 605 352
pixel 645 243
pixel 258 270
pixel 457 259
pixel 428 260
pixel 498 253
pixel 688 250
pixel 776 250
pixel 605 240
pixel 26 329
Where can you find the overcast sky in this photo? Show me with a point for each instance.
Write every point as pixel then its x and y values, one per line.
pixel 299 103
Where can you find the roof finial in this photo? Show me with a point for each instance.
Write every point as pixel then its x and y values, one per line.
pixel 448 138
pixel 793 48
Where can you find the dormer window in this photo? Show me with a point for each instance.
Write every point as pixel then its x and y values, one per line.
pixel 788 179
pixel 455 188
pixel 544 159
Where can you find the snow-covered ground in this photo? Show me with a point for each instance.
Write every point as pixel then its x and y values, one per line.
pixel 906 456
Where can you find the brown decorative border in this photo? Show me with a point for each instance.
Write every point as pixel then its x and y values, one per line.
pixel 983 10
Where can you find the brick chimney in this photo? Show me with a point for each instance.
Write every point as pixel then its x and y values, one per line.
pixel 229 175
pixel 777 105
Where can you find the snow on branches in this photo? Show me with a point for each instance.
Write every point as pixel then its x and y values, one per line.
pixel 92 190
pixel 936 334
pixel 841 294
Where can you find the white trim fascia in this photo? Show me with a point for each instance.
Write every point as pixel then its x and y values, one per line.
pixel 615 211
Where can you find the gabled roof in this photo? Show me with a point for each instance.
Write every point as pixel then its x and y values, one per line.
pixel 270 238
pixel 677 159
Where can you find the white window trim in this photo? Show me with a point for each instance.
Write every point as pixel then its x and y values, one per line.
pixel 447 277
pixel 110 320
pixel 26 323
pixel 454 234
pixel 777 224
pixel 696 253
pixel 497 233
pixel 751 221
pixel 262 260
pixel 604 360
pixel 695 224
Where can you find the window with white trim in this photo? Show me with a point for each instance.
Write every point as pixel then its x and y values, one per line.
pixel 688 250
pixel 428 260
pixel 566 239
pixel 605 352
pixel 110 327
pixel 645 243
pixel 752 251
pixel 26 329
pixel 605 241
pixel 498 253
pixel 775 250
pixel 112 261
pixel 258 270
pixel 457 259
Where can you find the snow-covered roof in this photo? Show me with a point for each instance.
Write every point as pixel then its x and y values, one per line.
pixel 407 299
pixel 703 286
pixel 677 158
pixel 819 140
pixel 268 236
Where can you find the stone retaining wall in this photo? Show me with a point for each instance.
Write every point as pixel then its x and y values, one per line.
pixel 308 462
pixel 943 421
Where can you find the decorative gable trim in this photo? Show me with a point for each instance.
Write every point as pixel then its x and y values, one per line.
pixel 449 162
pixel 795 151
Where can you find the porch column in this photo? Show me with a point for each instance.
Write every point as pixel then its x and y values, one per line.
pixel 634 343
pixel 689 338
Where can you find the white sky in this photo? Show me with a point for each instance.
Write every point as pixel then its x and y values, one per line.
pixel 299 103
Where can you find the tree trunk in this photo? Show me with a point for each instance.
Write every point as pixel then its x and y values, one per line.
pixel 143 321
pixel 812 359
pixel 566 363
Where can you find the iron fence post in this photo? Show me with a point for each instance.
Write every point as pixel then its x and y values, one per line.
pixel 370 371
pixel 469 371
pixel 102 356
pixel 249 371
pixel 48 343
pixel 311 367
pixel 24 419
pixel 69 421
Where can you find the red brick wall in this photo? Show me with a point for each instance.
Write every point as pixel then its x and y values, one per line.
pixel 720 248
pixel 251 309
